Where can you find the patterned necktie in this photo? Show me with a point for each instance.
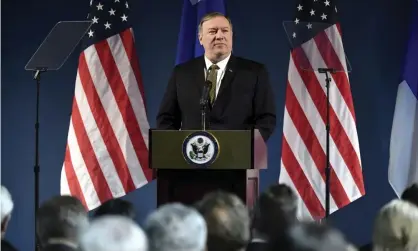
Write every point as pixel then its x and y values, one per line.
pixel 212 77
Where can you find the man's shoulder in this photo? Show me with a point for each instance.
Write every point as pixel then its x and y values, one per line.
pixel 190 64
pixel 248 64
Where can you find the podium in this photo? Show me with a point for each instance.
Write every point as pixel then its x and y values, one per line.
pixel 190 163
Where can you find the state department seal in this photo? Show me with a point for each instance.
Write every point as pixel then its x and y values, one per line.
pixel 200 148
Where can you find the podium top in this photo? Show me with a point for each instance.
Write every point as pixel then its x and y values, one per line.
pixel 58 45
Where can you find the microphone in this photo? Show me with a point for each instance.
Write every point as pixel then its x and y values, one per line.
pixel 205 93
pixel 204 102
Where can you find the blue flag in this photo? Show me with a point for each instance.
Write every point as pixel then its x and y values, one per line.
pixel 188 46
pixel 403 162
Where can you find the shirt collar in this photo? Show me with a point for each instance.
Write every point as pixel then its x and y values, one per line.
pixel 61 241
pixel 222 64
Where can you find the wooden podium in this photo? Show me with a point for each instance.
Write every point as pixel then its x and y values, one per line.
pixel 191 163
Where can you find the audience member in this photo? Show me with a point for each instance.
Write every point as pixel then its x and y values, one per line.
pixel 227 220
pixel 396 227
pixel 411 194
pixel 6 214
pixel 59 223
pixel 6 209
pixel 116 207
pixel 113 232
pixel 311 236
pixel 175 227
pixel 274 213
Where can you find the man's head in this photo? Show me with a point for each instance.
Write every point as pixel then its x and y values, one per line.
pixel 175 227
pixel 396 226
pixel 311 236
pixel 411 194
pixel 113 232
pixel 227 219
pixel 215 35
pixel 62 217
pixel 116 207
pixel 6 209
pixel 275 210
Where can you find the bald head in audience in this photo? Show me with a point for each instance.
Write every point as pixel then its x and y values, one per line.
pixel 6 209
pixel 227 219
pixel 113 232
pixel 175 227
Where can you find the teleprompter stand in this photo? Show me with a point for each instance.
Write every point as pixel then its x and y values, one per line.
pixel 313 51
pixel 51 56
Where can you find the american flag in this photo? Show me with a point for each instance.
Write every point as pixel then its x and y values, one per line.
pixel 315 35
pixel 107 146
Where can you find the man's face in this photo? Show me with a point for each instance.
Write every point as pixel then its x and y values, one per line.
pixel 216 37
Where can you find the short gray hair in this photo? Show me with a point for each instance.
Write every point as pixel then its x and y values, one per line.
pixel 113 232
pixel 61 217
pixel 313 236
pixel 6 203
pixel 396 226
pixel 175 227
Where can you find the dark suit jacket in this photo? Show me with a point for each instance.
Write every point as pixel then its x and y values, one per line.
pixel 245 99
pixel 257 246
pixel 57 247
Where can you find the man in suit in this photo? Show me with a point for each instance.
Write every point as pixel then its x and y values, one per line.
pixel 241 97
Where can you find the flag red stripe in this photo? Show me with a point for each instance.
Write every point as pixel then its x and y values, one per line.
pixel 337 132
pixel 302 184
pixel 310 139
pixel 129 45
pixel 73 184
pixel 331 59
pixel 89 156
pixel 121 96
pixel 104 126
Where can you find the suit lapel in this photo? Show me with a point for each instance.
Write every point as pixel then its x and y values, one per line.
pixel 230 72
pixel 199 77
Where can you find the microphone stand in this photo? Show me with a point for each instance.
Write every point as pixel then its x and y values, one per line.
pixel 326 71
pixel 36 168
pixel 203 106
pixel 204 101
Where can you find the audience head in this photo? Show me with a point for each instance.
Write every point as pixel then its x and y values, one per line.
pixel 312 236
pixel 61 217
pixel 175 227
pixel 116 207
pixel 6 209
pixel 113 232
pixel 227 220
pixel 396 227
pixel 411 194
pixel 275 210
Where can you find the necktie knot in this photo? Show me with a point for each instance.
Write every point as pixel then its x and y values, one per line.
pixel 214 67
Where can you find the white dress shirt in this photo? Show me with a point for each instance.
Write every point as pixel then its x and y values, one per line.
pixel 221 72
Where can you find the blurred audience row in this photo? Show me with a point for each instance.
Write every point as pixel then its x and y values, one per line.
pixel 218 222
